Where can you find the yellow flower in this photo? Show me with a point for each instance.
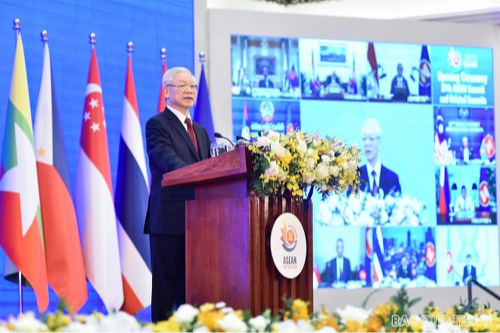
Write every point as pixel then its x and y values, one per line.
pixel 209 318
pixel 170 325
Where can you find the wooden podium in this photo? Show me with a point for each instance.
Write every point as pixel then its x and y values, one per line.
pixel 228 257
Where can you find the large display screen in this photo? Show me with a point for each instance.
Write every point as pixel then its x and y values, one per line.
pixel 424 117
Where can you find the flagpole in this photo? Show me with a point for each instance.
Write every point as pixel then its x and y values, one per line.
pixel 130 48
pixel 17 28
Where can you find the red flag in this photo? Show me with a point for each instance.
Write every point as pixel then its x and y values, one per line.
pixel 94 198
pixel 65 269
pixel 372 59
pixel 21 234
pixel 161 97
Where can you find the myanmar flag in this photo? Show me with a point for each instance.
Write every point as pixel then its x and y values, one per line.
pixel 21 234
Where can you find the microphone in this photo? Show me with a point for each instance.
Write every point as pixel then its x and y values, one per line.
pixel 220 136
pixel 240 138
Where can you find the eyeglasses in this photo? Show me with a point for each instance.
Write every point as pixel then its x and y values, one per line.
pixel 184 87
pixel 370 138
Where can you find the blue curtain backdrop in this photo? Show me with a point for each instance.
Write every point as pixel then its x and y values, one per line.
pixel 150 24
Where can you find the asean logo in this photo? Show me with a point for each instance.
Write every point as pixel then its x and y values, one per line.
pixel 454 60
pixel 489 145
pixel 430 255
pixel 288 237
pixel 266 111
pixel 424 73
pixel 484 194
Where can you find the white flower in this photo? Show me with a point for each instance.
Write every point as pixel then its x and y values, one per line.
pixel 118 322
pixel 273 169
pixel 227 310
pixel 353 166
pixel 302 146
pixel 220 305
pixel 325 158
pixel 282 175
pixel 428 326
pixel 278 149
pixel 355 146
pixel 27 323
pixel 232 323
pixel 308 177
pixel 286 326
pixel 345 166
pixel 259 323
pixel 263 141
pixel 351 313
pixel 305 326
pixel 273 135
pixel 448 327
pixel 334 171
pixel 185 314
pixel 309 164
pixel 76 326
pixel 322 171
pixel 327 329
pixel 201 329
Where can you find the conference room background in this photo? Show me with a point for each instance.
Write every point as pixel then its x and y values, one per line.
pixel 150 25
pixel 450 99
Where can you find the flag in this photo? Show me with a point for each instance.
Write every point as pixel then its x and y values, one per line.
pixel 372 59
pixel 288 122
pixel 378 256
pixel 430 255
pixel 484 191
pixel 353 85
pixel 94 198
pixel 316 277
pixel 294 80
pixel 245 127
pixel 21 234
pixel 63 253
pixel 131 204
pixel 202 110
pixel 444 192
pixel 424 86
pixel 161 97
pixel 368 255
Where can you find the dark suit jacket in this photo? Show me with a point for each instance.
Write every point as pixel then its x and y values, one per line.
pixel 466 273
pixel 170 148
pixel 399 93
pixel 388 181
pixel 262 83
pixel 403 274
pixel 331 269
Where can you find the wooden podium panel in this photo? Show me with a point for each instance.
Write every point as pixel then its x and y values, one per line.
pixel 228 229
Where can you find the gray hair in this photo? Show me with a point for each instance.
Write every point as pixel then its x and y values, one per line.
pixel 169 76
pixel 371 125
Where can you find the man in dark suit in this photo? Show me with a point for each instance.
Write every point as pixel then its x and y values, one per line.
pixel 399 86
pixel 375 176
pixel 339 268
pixel 469 271
pixel 404 270
pixel 173 141
pixel 265 82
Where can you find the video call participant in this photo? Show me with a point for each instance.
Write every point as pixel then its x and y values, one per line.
pixel 339 268
pixel 373 174
pixel 399 86
pixel 469 270
pixel 173 141
pixel 265 82
pixel 464 202
pixel 404 270
pixel 332 79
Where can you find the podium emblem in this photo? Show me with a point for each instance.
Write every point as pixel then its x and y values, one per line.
pixel 288 245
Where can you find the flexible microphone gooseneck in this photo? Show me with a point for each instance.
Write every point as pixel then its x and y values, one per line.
pixel 220 136
pixel 240 138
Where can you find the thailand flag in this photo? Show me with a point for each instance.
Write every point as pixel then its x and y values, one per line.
pixel 63 253
pixel 378 255
pixel 21 234
pixel 368 254
pixel 161 97
pixel 94 198
pixel 131 203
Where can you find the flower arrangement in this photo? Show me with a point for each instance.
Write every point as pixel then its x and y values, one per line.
pixel 364 209
pixel 391 316
pixel 296 161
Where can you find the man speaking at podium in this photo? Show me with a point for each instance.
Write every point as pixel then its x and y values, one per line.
pixel 173 141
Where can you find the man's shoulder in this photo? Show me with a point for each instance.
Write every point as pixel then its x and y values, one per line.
pixel 388 173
